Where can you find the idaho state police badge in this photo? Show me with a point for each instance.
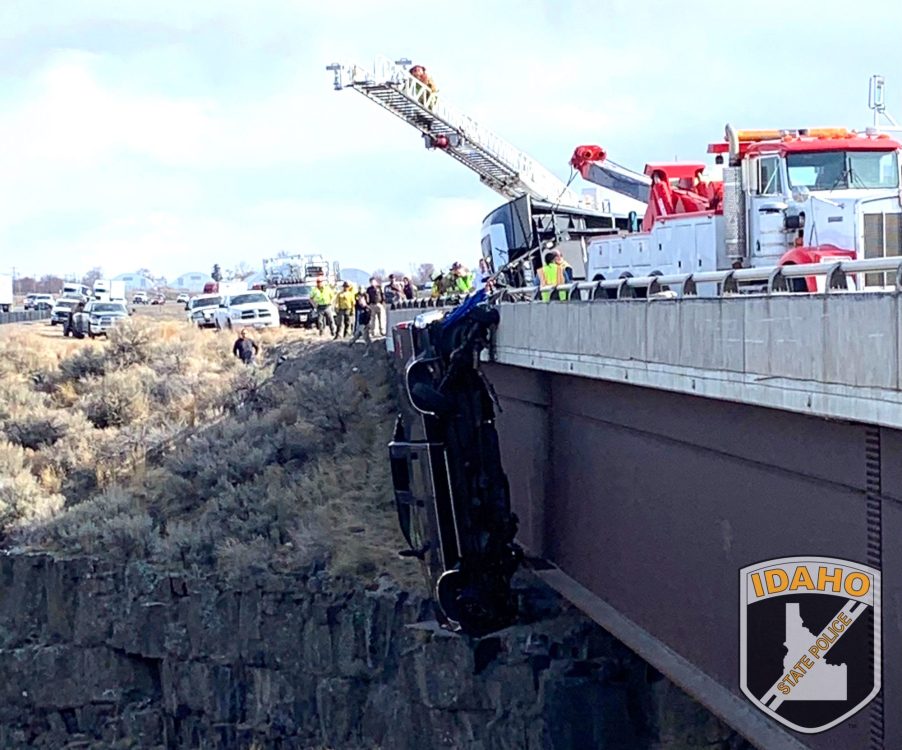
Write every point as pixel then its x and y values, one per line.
pixel 809 639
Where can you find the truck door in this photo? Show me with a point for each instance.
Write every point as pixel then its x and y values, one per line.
pixel 767 202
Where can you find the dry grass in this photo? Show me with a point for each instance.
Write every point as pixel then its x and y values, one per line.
pixel 157 444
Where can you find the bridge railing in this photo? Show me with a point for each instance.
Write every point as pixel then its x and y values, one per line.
pixel 737 281
pixel 770 280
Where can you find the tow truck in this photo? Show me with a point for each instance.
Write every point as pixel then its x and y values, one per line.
pixel 783 197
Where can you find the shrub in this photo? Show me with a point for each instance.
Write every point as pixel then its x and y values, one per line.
pixel 119 398
pixel 158 444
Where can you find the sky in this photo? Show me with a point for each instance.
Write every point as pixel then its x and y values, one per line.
pixel 174 135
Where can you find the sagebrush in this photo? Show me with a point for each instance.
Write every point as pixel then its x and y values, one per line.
pixel 158 444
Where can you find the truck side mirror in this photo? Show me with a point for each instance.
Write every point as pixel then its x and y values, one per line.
pixel 800 194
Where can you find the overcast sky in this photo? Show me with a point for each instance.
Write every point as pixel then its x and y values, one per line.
pixel 174 134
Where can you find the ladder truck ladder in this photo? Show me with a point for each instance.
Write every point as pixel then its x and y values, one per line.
pixel 499 165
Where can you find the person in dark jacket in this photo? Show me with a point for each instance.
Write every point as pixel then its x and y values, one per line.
pixel 245 349
pixel 362 317
pixel 375 299
pixel 409 291
pixel 69 326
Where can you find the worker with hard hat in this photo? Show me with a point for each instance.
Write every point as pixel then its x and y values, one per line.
pixel 345 310
pixel 322 296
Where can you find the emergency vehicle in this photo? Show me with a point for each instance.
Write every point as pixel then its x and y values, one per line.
pixel 782 197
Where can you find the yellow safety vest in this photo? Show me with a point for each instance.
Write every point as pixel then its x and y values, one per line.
pixel 552 274
pixel 322 295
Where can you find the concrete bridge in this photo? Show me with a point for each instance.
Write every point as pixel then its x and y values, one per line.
pixel 657 446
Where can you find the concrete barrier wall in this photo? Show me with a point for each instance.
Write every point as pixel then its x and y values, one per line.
pixel 848 340
pixel 24 316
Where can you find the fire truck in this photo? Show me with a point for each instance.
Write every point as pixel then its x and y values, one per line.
pixel 299 269
pixel 773 197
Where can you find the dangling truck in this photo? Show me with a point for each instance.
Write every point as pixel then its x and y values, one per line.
pixel 773 198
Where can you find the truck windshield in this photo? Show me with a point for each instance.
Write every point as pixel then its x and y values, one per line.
pixel 243 299
pixel 204 302
pixel 835 170
pixel 292 291
pixel 108 308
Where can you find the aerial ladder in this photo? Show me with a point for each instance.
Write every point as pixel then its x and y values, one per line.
pixel 499 165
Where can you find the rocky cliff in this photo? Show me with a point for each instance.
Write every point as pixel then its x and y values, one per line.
pixel 99 655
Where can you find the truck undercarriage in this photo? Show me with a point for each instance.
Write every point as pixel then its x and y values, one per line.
pixel 451 491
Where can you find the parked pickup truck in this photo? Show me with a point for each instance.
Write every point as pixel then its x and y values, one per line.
pixel 38 301
pixel 61 309
pixel 98 317
pixel 201 309
pixel 249 309
pixel 295 306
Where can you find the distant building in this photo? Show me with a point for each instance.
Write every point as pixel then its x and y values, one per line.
pixel 356 276
pixel 135 281
pixel 191 282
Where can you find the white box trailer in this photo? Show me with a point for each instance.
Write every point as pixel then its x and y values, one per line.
pixel 6 292
pixel 117 291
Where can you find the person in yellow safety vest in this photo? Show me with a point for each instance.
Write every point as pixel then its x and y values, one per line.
pixel 345 305
pixel 461 279
pixel 322 296
pixel 555 272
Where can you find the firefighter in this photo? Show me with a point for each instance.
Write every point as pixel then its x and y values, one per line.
pixel 322 296
pixel 419 72
pixel 346 300
pixel 437 286
pixel 555 272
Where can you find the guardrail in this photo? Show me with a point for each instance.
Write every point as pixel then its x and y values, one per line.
pixel 24 316
pixel 773 280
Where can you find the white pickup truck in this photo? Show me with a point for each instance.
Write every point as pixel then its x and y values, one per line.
pixel 247 309
pixel 98 318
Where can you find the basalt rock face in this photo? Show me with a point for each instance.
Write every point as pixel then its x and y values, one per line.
pixel 94 655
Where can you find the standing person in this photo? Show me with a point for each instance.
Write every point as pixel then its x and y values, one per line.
pixel 555 272
pixel 437 286
pixel 409 291
pixel 362 319
pixel 376 301
pixel 245 349
pixel 345 311
pixel 390 291
pixel 462 279
pixel 322 296
pixel 69 325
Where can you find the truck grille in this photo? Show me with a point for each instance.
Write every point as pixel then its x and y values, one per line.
pixel 882 237
pixel 298 304
pixel 251 314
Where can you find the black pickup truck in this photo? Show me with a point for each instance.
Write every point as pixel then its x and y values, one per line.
pixel 295 306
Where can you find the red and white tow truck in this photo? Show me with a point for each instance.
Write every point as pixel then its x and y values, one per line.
pixel 782 197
